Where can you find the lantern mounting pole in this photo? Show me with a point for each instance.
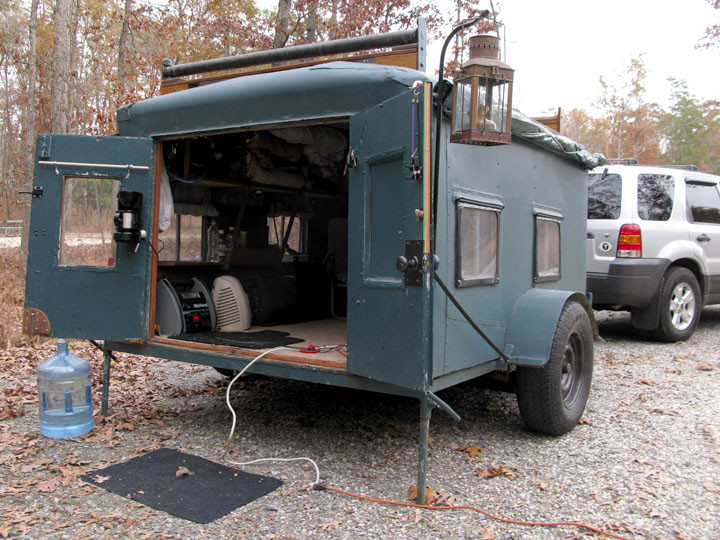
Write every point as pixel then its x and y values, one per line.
pixel 438 127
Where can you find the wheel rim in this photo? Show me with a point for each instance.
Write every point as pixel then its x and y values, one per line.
pixel 572 369
pixel 682 306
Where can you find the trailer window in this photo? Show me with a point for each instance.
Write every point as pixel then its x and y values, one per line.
pixel 547 249
pixel 477 244
pixel 86 232
pixel 278 228
pixel 185 246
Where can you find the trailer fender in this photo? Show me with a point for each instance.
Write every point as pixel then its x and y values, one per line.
pixel 535 316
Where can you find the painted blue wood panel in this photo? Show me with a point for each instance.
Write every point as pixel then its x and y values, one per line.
pixel 385 320
pixel 84 301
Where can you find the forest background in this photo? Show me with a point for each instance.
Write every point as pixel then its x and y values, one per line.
pixel 66 65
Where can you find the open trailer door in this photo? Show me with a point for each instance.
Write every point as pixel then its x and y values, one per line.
pixel 81 283
pixel 385 306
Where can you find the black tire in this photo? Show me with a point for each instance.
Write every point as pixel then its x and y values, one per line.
pixel 680 306
pixel 552 398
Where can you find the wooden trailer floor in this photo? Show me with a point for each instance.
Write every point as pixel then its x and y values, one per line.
pixel 327 332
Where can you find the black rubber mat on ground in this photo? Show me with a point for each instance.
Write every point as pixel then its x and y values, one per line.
pixel 264 339
pixel 205 493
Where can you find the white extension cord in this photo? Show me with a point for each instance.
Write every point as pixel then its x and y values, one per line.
pixel 234 422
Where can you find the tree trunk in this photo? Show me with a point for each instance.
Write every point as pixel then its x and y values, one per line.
pixel 122 48
pixel 61 67
pixel 59 89
pixel 283 22
pixel 312 22
pixel 29 127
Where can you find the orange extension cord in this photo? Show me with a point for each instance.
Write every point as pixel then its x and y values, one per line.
pixel 483 512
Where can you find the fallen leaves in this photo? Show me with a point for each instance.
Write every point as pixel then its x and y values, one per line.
pixel 183 471
pixel 100 479
pixel 499 470
pixel 470 451
pixel 647 382
pixel 704 367
pixel 329 525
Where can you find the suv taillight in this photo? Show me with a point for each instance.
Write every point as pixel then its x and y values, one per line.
pixel 629 241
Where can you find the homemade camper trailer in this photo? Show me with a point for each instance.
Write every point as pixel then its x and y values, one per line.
pixel 416 262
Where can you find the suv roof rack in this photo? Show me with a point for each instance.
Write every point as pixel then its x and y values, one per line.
pixel 688 167
pixel 626 161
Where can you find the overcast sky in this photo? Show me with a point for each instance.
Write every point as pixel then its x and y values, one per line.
pixel 559 48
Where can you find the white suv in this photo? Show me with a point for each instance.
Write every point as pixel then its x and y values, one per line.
pixel 654 245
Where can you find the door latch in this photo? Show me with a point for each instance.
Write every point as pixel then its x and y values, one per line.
pixel 37 191
pixel 409 263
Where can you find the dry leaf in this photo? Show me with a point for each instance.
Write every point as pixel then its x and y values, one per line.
pixel 100 479
pixel 430 494
pixel 127 426
pixel 183 471
pixel 499 470
pixel 334 524
pixel 48 486
pixel 470 451
pixel 5 530
pixel 446 499
pixel 647 382
pixel 586 422
pixel 539 483
pixel 704 367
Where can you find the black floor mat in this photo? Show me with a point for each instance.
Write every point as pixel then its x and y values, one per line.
pixel 209 492
pixel 264 339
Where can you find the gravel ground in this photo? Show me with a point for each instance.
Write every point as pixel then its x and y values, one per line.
pixel 644 462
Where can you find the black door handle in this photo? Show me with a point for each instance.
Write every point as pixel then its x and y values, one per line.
pixel 703 238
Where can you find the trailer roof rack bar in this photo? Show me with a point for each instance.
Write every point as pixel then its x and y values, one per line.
pixel 302 52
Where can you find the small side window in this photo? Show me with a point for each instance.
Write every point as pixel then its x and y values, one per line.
pixel 547 249
pixel 604 196
pixel 477 244
pixel 703 201
pixel 86 234
pixel 655 196
pixel 277 228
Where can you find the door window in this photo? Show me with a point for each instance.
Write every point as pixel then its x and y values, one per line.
pixel 655 196
pixel 86 231
pixel 703 202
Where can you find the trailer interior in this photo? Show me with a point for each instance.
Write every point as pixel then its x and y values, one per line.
pixel 280 197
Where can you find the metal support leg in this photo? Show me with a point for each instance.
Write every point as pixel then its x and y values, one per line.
pixel 425 413
pixel 107 356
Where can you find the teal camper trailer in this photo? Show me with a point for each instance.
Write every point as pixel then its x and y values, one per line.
pixel 322 202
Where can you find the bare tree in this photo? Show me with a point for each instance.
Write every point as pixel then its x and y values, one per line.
pixel 283 22
pixel 122 47
pixel 59 91
pixel 29 125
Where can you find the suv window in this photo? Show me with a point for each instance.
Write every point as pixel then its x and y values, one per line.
pixel 655 196
pixel 604 196
pixel 703 201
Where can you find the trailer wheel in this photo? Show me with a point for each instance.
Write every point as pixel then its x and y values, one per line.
pixel 552 399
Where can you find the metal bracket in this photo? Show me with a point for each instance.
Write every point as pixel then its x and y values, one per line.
pixel 37 191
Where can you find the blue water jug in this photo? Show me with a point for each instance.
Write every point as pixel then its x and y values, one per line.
pixel 65 395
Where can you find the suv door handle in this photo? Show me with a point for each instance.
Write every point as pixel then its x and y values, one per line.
pixel 703 238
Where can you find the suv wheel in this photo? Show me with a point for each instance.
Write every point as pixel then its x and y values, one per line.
pixel 680 305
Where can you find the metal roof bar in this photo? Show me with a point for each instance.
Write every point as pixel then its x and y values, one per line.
pixel 298 52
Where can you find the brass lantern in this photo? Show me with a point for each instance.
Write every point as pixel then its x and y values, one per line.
pixel 482 96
